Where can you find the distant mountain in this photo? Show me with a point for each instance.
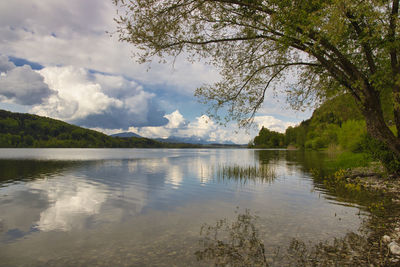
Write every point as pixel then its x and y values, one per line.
pixel 126 135
pixel 175 139
pixel 192 140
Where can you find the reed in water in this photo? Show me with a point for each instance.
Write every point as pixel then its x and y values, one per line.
pixel 262 173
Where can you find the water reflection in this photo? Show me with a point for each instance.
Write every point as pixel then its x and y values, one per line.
pixel 70 203
pixel 175 176
pixel 15 171
pixel 144 207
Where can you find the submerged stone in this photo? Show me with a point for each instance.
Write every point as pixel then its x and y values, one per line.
pixel 394 248
pixel 386 239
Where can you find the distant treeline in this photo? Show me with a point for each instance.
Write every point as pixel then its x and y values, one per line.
pixel 269 139
pixel 30 131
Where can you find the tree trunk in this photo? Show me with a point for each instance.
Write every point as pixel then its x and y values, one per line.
pixel 376 125
pixel 378 129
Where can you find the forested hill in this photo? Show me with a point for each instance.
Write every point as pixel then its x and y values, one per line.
pixel 26 130
pixel 337 122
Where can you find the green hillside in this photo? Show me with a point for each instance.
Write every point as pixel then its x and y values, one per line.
pixel 26 130
pixel 337 122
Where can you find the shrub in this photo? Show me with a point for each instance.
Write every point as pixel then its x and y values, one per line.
pixel 351 135
pixel 318 143
pixel 347 160
pixel 379 151
pixel 308 144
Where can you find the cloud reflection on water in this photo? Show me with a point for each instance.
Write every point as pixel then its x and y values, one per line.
pixel 75 199
pixel 70 204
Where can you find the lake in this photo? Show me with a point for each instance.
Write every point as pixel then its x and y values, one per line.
pixel 146 207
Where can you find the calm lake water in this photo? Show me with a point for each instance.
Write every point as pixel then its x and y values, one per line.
pixel 145 207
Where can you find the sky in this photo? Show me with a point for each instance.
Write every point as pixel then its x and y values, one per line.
pixel 58 59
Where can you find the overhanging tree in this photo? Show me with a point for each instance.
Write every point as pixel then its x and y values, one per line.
pixel 335 46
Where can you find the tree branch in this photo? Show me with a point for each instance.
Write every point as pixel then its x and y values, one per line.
pixel 341 77
pixel 365 45
pixel 261 99
pixel 285 65
pixel 349 67
pixel 248 4
pixel 234 39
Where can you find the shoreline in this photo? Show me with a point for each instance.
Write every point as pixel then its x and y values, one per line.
pixel 375 180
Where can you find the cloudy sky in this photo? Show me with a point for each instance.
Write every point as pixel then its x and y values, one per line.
pixel 57 60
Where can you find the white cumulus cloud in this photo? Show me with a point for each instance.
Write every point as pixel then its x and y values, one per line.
pixel 22 85
pixel 272 123
pixel 201 128
pixel 97 99
pixel 204 128
pixel 77 96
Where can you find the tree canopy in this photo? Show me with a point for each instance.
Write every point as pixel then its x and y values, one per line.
pixel 333 46
pixel 269 139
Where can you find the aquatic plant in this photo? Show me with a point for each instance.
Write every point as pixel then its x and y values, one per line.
pixel 232 244
pixel 242 174
pixel 238 243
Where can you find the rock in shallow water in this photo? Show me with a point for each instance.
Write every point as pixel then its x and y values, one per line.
pixel 394 248
pixel 386 239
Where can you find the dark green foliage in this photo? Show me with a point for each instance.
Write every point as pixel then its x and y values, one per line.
pixel 297 136
pixel 351 135
pixel 336 122
pixel 26 130
pixel 329 124
pixel 269 139
pixel 338 110
pixel 379 151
